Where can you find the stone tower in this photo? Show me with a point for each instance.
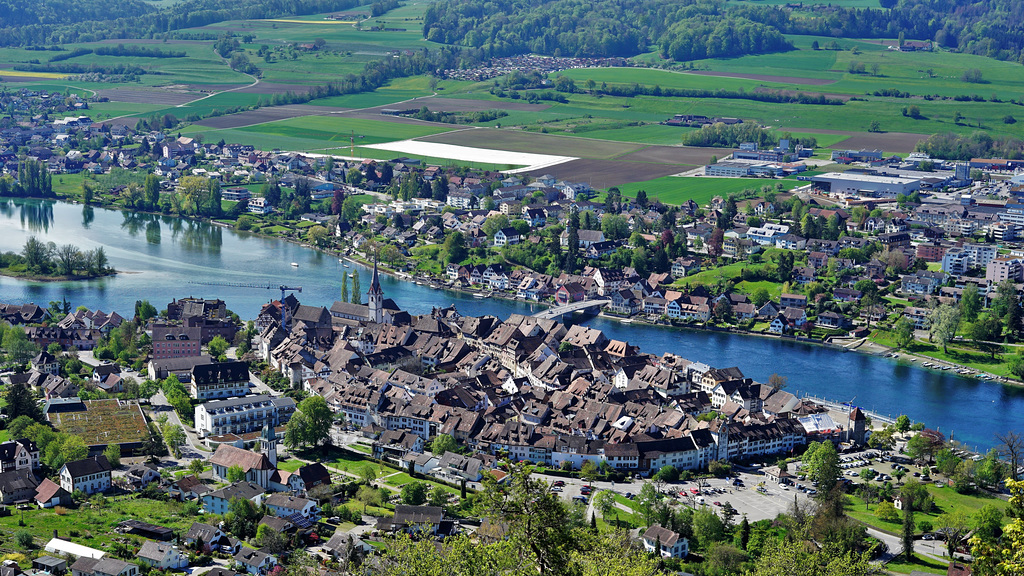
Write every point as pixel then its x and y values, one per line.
pixel 375 305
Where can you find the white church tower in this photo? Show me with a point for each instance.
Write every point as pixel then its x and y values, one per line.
pixel 268 444
pixel 375 305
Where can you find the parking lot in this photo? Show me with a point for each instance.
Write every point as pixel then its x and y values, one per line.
pixel 757 497
pixel 746 499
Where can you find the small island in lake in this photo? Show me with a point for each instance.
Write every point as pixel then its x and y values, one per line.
pixel 46 261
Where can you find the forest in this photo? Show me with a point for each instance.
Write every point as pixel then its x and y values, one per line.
pixel 46 22
pixel 696 29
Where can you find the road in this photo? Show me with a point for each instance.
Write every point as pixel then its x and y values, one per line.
pixel 160 407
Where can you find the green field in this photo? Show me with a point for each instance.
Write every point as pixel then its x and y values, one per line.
pixel 312 133
pixel 717 275
pixel 676 189
pixel 94 526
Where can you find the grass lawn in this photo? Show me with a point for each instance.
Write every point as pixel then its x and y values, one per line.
pixel 676 189
pixel 946 499
pixel 398 480
pixel 94 527
pixel 290 465
pixel 716 275
pixel 346 461
pixel 920 564
pixel 360 448
pixel 957 353
pixel 370 510
pixel 774 288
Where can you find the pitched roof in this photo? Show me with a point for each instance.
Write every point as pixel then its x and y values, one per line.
pixel 94 465
pixel 154 550
pixel 200 531
pixel 246 490
pixel 18 480
pixel 48 490
pixel 251 557
pixel 286 501
pixel 667 537
pixel 228 456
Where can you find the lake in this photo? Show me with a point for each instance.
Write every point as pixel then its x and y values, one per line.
pixel 159 257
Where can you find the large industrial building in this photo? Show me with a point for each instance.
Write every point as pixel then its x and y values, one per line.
pixel 844 184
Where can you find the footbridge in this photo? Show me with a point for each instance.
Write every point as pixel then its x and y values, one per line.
pixel 559 311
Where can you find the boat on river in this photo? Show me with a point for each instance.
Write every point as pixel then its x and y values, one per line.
pixel 295 264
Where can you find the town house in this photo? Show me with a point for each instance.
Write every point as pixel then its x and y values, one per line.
pixel 90 475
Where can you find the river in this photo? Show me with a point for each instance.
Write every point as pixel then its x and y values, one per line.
pixel 158 256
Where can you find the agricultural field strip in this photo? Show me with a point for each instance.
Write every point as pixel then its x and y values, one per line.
pixel 471 154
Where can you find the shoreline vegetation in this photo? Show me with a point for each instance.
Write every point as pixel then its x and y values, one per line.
pixel 41 261
pixel 9 273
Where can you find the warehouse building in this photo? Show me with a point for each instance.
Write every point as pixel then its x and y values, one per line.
pixel 841 185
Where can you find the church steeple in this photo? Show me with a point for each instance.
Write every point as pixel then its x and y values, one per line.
pixel 375 282
pixel 375 304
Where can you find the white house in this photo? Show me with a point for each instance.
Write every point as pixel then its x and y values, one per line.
pixel 216 502
pixel 506 236
pixel 259 206
pixel 284 505
pixel 91 475
pixel 255 562
pixel 163 555
pixel 672 545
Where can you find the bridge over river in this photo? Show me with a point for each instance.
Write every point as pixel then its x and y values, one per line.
pixel 559 311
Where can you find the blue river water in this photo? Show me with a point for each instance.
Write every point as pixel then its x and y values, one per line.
pixel 158 257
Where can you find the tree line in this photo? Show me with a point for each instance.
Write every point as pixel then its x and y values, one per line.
pixel 74 21
pixel 425 114
pixel 699 38
pixel 566 84
pixel 47 258
pixel 34 181
pixel 975 145
pixel 705 29
pixel 120 50
pixel 597 29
